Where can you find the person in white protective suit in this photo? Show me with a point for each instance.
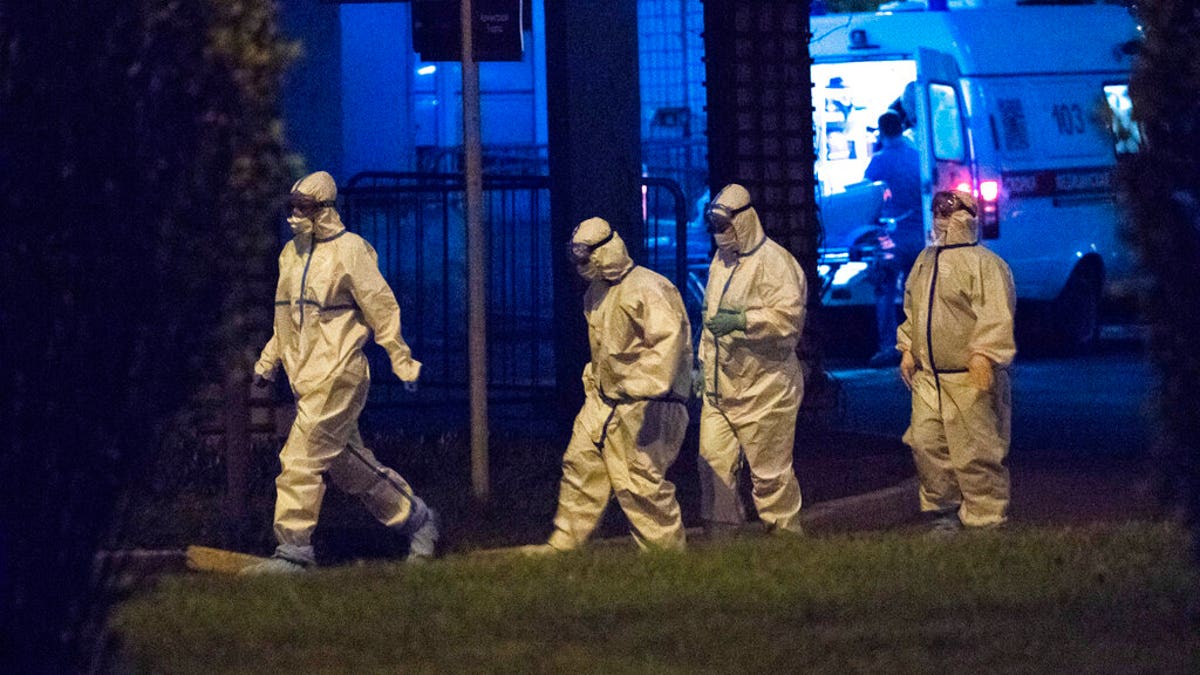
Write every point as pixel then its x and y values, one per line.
pixel 330 298
pixel 750 375
pixel 956 346
pixel 634 413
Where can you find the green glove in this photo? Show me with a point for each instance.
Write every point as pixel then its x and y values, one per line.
pixel 725 321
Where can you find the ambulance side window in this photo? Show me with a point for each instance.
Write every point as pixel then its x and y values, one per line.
pixel 945 122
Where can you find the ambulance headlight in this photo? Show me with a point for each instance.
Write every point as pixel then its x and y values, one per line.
pixel 847 272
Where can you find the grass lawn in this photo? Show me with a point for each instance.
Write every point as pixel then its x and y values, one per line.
pixel 1102 599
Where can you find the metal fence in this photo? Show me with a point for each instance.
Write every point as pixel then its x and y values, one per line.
pixel 416 223
pixel 671 69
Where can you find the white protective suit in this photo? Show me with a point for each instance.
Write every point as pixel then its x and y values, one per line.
pixel 330 298
pixel 634 413
pixel 753 384
pixel 959 302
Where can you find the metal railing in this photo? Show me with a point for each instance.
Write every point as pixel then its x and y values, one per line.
pixel 415 222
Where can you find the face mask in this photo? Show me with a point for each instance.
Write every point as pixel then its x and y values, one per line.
pixel 726 241
pixel 937 235
pixel 305 209
pixel 300 225
pixel 588 271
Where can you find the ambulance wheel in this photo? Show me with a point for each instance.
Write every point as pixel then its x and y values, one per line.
pixel 1076 312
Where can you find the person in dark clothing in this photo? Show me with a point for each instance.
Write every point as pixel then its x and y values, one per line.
pixel 898 166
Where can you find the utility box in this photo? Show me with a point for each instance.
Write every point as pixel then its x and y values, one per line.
pixel 499 30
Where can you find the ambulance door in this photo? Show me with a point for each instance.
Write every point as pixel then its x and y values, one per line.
pixel 943 140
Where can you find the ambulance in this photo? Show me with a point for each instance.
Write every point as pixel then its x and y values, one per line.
pixel 1026 106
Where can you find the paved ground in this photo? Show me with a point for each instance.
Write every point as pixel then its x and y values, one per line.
pixel 1082 431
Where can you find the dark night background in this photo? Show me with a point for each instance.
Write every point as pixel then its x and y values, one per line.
pixel 140 173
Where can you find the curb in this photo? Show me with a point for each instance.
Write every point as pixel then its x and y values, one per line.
pixel 125 568
pixel 875 510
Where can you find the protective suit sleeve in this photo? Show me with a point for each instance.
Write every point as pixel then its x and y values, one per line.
pixel 904 330
pixel 781 314
pixel 268 360
pixel 381 311
pixel 994 303
pixel 664 345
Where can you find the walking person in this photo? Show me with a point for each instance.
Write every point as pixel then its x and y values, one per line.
pixel 752 382
pixel 634 414
pixel 330 298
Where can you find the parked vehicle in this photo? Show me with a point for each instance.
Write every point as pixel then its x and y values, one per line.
pixel 1018 104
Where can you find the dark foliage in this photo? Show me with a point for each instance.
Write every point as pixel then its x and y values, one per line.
pixel 140 155
pixel 1163 187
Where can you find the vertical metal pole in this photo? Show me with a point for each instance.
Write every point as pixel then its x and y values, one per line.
pixel 476 259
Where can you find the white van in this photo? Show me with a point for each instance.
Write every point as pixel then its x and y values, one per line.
pixel 1016 104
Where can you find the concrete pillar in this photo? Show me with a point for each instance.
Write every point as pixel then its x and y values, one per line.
pixel 595 150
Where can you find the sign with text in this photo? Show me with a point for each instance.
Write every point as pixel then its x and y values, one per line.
pixel 498 30
pixel 1053 182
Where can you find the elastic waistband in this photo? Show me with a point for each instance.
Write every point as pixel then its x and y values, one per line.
pixel 952 371
pixel 669 398
pixel 319 306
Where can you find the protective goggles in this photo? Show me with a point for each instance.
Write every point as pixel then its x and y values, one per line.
pixel 719 217
pixel 581 253
pixel 306 204
pixel 947 202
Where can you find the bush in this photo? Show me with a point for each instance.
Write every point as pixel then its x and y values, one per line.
pixel 141 162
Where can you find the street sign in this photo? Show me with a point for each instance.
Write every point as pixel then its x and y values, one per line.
pixel 498 33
